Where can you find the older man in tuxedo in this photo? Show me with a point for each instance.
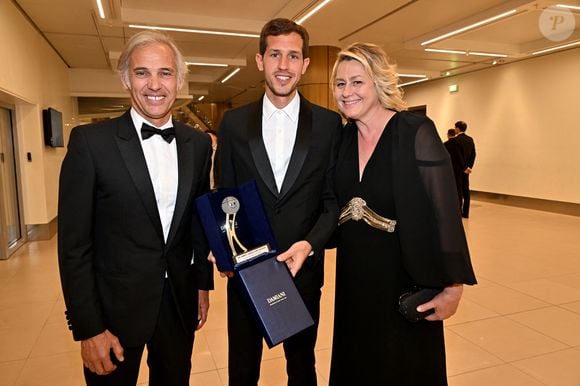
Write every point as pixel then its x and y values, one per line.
pixel 132 253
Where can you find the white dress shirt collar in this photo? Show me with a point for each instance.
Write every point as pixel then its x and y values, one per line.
pixel 292 109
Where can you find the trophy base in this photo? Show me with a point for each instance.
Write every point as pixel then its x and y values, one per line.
pixel 252 253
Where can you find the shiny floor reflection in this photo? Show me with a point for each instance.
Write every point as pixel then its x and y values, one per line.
pixel 519 327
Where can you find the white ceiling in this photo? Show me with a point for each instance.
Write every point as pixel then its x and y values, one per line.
pixel 85 41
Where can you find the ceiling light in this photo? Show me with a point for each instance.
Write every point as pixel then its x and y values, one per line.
pixel 487 54
pixel 206 64
pixel 446 51
pixel 312 12
pixel 556 48
pixel 494 63
pixel 467 28
pixel 494 55
pixel 100 8
pixel 195 31
pixel 234 72
pixel 413 82
pixel 200 98
pixel 411 76
pixel 574 7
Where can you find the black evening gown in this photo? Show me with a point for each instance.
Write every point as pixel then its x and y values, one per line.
pixel 373 344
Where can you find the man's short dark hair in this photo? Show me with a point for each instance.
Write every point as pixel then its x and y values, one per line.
pixel 280 26
pixel 451 133
pixel 462 126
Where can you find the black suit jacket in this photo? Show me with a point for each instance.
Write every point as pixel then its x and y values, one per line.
pixel 306 207
pixel 455 151
pixel 468 147
pixel 112 253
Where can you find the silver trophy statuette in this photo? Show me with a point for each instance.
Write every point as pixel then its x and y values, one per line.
pixel 231 206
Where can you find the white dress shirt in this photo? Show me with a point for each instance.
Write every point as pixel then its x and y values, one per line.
pixel 161 158
pixel 279 127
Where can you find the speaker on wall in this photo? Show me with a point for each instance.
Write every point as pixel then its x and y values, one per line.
pixel 52 122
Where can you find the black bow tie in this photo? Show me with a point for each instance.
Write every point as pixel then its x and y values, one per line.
pixel 149 131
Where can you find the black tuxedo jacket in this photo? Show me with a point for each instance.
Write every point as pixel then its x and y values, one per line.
pixel 305 208
pixel 112 253
pixel 468 147
pixel 455 151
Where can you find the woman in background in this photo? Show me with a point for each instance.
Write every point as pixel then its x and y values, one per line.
pixel 392 166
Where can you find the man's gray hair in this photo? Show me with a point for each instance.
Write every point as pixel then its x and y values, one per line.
pixel 145 38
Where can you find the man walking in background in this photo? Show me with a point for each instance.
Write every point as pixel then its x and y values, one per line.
pixel 468 148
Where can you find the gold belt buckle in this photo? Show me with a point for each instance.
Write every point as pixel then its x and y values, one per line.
pixel 356 209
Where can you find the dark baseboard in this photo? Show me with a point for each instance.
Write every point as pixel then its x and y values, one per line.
pixel 560 207
pixel 37 232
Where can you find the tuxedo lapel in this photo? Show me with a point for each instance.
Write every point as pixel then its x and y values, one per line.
pixel 258 149
pixel 301 145
pixel 132 154
pixel 185 167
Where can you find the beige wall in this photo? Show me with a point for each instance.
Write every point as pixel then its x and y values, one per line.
pixel 524 119
pixel 33 77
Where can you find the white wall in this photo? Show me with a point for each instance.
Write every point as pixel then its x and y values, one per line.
pixel 33 77
pixel 524 120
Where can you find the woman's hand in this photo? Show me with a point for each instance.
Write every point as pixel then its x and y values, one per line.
pixel 445 303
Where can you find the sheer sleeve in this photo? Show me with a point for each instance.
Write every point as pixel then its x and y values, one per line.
pixel 437 177
pixel 429 225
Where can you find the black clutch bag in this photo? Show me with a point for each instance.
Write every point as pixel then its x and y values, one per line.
pixel 409 301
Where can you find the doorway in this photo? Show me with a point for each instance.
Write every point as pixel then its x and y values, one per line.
pixel 12 227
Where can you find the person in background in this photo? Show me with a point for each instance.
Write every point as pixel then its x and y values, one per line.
pixel 450 133
pixel 132 252
pixel 214 144
pixel 288 145
pixel 457 161
pixel 400 227
pixel 468 146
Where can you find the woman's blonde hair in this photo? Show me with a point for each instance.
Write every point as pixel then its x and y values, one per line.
pixel 376 64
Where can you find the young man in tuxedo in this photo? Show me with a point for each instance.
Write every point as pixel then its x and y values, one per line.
pixel 132 253
pixel 288 145
pixel 468 147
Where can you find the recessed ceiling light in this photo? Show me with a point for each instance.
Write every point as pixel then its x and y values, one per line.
pixel 411 76
pixel 413 82
pixel 100 8
pixel 556 48
pixel 574 7
pixel 234 72
pixel 487 54
pixel 206 64
pixel 495 55
pixel 467 28
pixel 445 51
pixel 312 12
pixel 195 31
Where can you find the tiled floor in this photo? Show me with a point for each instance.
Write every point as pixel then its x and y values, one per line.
pixel 519 327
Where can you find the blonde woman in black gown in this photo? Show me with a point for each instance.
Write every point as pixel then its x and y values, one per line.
pixel 394 166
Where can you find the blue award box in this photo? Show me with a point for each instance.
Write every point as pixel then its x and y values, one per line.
pixel 242 241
